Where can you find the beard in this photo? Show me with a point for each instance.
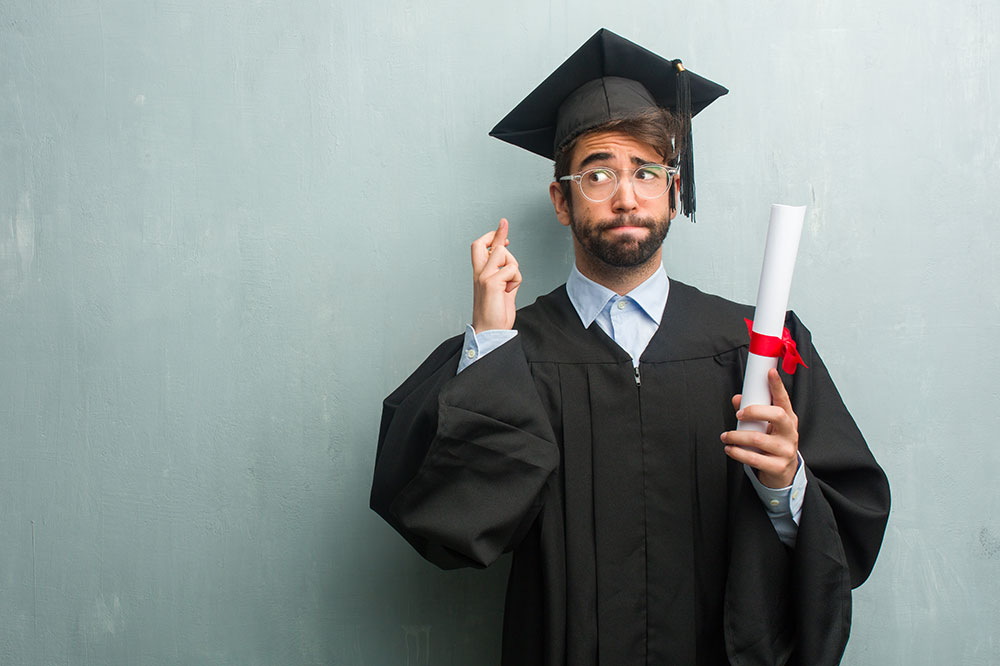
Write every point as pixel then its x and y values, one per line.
pixel 623 251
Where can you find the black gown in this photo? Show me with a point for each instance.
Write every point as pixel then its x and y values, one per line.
pixel 636 539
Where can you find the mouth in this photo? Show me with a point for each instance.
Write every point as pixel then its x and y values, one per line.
pixel 626 224
pixel 626 228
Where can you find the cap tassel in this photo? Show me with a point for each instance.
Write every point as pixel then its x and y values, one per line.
pixel 685 160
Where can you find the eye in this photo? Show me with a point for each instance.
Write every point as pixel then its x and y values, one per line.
pixel 650 173
pixel 599 176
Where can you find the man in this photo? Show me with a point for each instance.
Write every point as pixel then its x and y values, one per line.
pixel 583 432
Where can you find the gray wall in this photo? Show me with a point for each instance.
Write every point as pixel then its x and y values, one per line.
pixel 229 227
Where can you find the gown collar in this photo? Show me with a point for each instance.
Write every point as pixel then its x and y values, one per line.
pixel 694 325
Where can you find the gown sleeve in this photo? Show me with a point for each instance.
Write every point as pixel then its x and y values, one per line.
pixel 464 460
pixel 805 592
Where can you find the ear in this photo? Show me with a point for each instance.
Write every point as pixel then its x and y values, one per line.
pixel 560 203
pixel 675 192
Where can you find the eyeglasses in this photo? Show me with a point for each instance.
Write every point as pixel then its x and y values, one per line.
pixel 650 181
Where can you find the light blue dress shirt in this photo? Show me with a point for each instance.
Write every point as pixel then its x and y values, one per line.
pixel 631 321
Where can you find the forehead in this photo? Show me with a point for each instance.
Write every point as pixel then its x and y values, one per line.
pixel 617 145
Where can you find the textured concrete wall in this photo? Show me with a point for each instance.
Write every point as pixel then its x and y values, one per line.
pixel 228 228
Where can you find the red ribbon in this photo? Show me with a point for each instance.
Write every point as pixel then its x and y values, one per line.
pixel 772 346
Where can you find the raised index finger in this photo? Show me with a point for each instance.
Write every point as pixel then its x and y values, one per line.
pixel 779 396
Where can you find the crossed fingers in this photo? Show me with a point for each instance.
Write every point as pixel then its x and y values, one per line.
pixel 496 277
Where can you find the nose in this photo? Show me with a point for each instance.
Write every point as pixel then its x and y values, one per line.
pixel 624 199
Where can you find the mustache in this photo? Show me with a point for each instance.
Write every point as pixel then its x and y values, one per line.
pixel 625 221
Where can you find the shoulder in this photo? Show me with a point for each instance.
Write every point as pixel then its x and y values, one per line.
pixel 691 299
pixel 548 324
pixel 549 310
pixel 696 324
pixel 551 331
pixel 717 313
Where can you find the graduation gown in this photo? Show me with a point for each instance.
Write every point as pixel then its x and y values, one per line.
pixel 636 540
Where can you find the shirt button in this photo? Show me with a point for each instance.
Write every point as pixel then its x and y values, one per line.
pixel 621 305
pixel 471 353
pixel 775 502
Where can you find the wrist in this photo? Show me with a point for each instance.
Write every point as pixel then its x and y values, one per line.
pixel 483 325
pixel 783 479
pixel 774 481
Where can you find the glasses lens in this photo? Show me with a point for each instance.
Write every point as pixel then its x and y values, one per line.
pixel 598 184
pixel 651 180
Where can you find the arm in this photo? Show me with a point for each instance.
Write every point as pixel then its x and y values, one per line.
pixel 799 600
pixel 463 461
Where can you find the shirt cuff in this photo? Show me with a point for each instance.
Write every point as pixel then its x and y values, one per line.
pixel 477 345
pixel 783 505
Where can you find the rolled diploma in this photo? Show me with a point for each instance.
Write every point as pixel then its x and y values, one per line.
pixel 783 233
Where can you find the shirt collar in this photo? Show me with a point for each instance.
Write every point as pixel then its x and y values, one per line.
pixel 589 298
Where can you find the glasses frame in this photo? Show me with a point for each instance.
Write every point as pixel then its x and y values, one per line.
pixel 577 178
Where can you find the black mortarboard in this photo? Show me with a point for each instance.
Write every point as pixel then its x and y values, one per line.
pixel 609 78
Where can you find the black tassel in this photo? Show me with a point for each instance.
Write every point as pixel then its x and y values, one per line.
pixel 685 160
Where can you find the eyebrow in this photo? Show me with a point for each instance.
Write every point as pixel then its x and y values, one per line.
pixel 600 157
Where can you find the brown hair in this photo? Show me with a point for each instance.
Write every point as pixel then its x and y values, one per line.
pixel 658 127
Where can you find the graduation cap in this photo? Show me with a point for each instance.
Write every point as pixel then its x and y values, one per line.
pixel 609 78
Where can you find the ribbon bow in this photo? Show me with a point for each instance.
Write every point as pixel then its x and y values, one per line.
pixel 775 347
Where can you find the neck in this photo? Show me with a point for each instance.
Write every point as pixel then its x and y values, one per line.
pixel 619 279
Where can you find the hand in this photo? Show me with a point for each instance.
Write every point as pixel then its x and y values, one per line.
pixel 495 281
pixel 775 455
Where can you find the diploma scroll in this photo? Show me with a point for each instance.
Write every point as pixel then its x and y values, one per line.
pixel 783 233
